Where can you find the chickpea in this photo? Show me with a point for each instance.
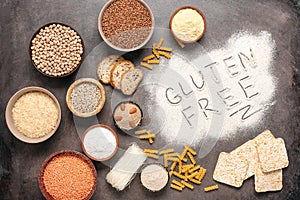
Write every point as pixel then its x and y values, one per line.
pixel 54 52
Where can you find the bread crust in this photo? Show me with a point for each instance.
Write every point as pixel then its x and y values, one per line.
pixel 135 82
pixel 118 70
pixel 104 69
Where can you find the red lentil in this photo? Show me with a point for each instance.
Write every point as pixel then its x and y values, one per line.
pixel 126 23
pixel 68 177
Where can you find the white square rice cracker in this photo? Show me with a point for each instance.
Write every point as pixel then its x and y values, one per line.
pixel 272 155
pixel 230 169
pixel 265 136
pixel 248 152
pixel 270 181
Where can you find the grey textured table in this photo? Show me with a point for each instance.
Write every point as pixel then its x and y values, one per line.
pixel 20 162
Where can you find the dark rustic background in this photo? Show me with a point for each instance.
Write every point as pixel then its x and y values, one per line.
pixel 20 162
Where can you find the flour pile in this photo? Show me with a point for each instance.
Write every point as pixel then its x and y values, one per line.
pixel 216 93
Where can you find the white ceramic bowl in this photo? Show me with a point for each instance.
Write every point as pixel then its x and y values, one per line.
pixel 111 44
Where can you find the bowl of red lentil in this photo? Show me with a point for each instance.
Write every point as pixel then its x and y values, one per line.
pixel 126 25
pixel 67 175
pixel 33 114
pixel 56 50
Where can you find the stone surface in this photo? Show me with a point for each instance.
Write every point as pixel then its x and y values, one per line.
pixel 20 162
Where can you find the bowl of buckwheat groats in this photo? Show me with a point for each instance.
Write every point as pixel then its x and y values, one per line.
pixel 126 25
pixel 56 50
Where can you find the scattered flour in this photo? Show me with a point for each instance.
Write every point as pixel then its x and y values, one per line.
pixel 217 93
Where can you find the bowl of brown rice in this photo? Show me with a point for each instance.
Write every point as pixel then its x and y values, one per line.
pixel 67 175
pixel 33 114
pixel 126 25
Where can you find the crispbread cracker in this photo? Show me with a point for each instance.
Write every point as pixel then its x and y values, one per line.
pixel 272 155
pixel 265 136
pixel 230 169
pixel 248 152
pixel 270 181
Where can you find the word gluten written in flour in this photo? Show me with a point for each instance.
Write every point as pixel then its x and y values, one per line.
pixel 237 67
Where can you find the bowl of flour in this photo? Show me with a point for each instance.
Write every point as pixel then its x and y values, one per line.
pixel 188 24
pixel 100 142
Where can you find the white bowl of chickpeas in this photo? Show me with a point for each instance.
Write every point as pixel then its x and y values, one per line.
pixel 56 50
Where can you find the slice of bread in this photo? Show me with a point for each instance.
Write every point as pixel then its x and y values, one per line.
pixel 118 70
pixel 130 81
pixel 105 66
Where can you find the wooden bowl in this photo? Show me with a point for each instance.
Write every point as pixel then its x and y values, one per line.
pixel 78 82
pixel 90 156
pixel 204 20
pixel 114 46
pixel 61 153
pixel 10 121
pixel 30 53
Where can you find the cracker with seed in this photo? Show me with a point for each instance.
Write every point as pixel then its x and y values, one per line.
pixel 248 152
pixel 265 136
pixel 272 155
pixel 270 181
pixel 230 169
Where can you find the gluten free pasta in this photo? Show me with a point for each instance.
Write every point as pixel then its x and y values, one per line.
pixel 211 188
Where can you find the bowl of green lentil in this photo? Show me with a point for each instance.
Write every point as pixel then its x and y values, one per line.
pixel 56 50
pixel 126 25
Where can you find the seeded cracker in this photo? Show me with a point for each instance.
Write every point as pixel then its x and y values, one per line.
pixel 230 169
pixel 272 155
pixel 248 152
pixel 271 181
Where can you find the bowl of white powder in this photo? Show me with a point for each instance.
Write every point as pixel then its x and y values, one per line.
pixel 188 24
pixel 100 142
pixel 154 177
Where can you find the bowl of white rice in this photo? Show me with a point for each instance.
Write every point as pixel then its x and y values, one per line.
pixel 33 114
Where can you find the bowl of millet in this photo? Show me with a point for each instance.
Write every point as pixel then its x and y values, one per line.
pixel 56 50
pixel 126 25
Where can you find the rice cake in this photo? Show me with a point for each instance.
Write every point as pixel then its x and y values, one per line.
pixel 270 181
pixel 272 155
pixel 265 136
pixel 248 152
pixel 230 169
